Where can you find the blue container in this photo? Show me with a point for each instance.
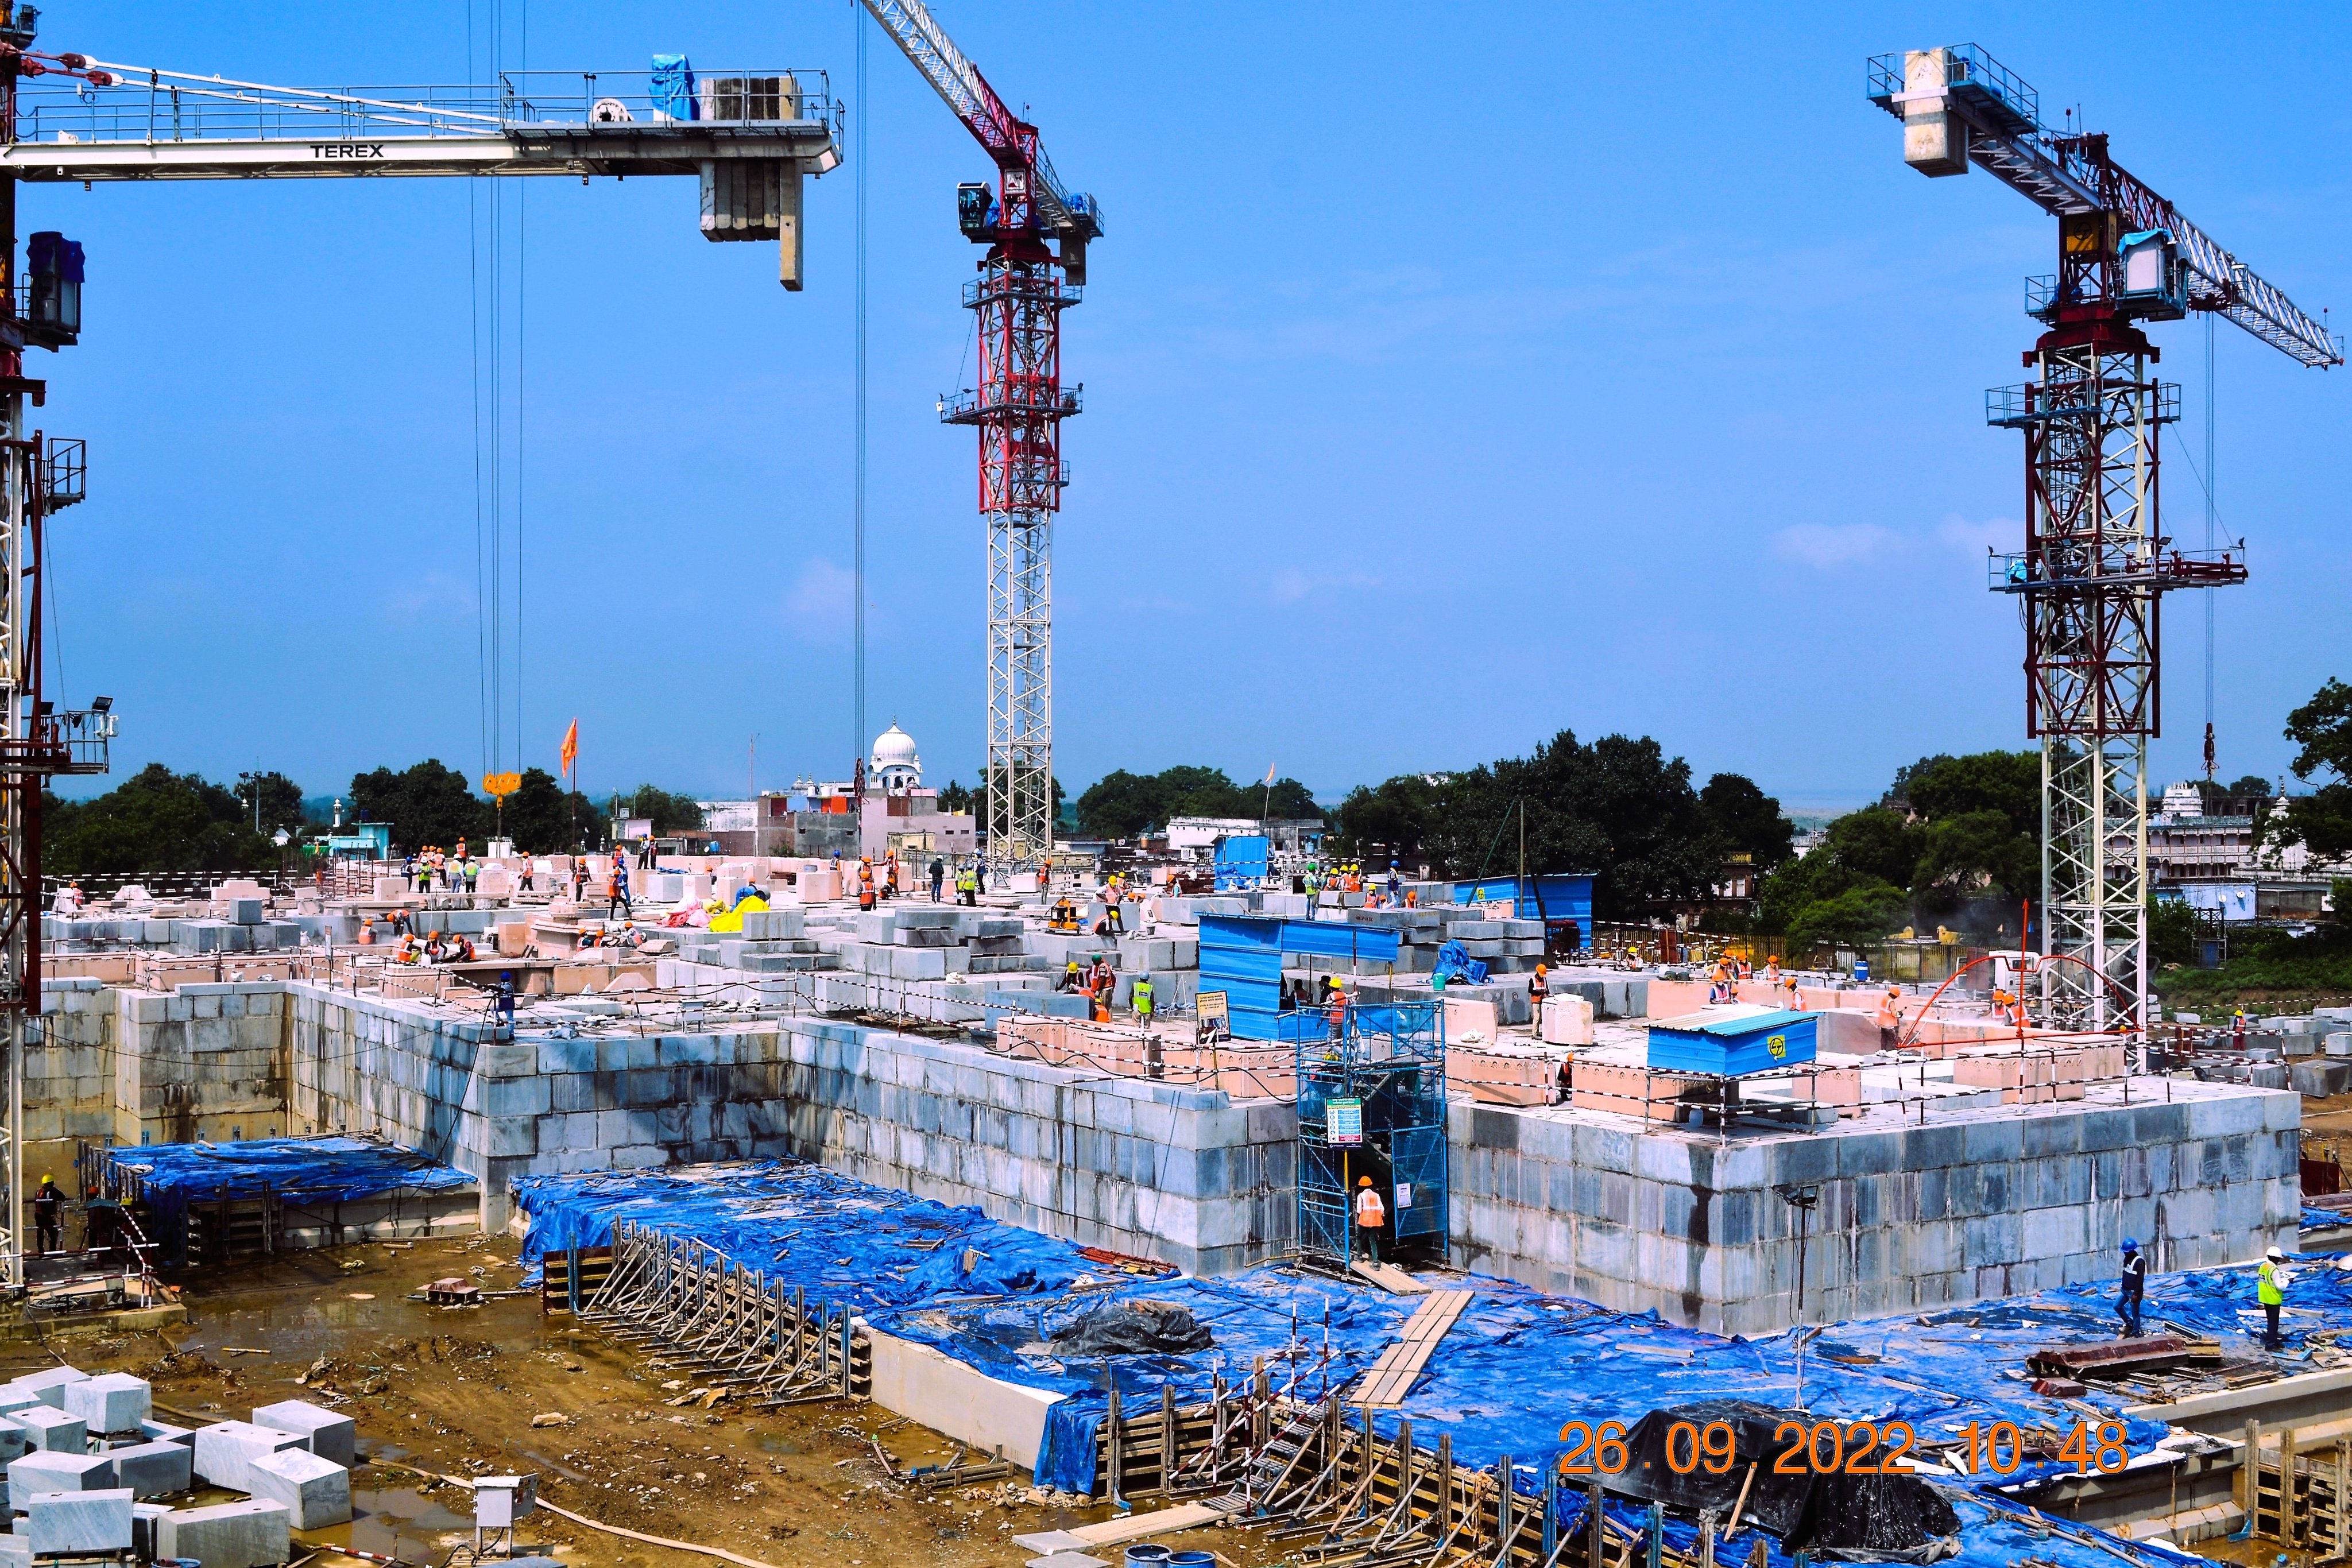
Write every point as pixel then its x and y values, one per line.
pixel 1191 1560
pixel 1733 1047
pixel 1144 1554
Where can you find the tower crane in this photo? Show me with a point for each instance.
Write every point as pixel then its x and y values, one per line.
pixel 1035 268
pixel 2096 563
pixel 750 137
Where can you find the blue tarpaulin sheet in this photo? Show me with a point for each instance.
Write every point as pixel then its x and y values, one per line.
pixel 1517 1365
pixel 673 88
pixel 300 1171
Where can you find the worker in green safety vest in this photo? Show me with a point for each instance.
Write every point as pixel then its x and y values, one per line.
pixel 1142 1000
pixel 2271 1281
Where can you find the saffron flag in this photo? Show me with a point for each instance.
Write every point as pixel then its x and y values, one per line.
pixel 571 749
pixel 1269 771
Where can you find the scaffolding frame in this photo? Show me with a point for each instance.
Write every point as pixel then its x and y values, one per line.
pixel 1390 1058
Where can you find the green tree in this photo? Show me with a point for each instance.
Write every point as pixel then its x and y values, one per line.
pixel 427 804
pixel 1618 808
pixel 154 821
pixel 955 798
pixel 2009 782
pixel 2262 789
pixel 1395 816
pixel 669 813
pixel 280 800
pixel 543 819
pixel 2171 931
pixel 1288 801
pixel 1122 805
pixel 2322 728
pixel 1745 818
pixel 1861 865
pixel 1857 916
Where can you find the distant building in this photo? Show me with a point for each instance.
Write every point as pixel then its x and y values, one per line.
pixel 818 819
pixel 1196 838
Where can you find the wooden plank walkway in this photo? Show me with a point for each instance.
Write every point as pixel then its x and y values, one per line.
pixel 1389 1278
pixel 1391 1375
pixel 1141 1526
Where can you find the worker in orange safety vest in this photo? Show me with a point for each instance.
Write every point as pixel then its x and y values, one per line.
pixel 1371 1217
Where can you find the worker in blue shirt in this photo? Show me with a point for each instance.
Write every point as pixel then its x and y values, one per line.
pixel 2134 1290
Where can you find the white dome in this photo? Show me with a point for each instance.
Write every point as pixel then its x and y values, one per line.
pixel 895 758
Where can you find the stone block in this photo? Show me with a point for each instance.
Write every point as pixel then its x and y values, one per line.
pixel 143 1516
pixel 110 1403
pixel 81 1524
pixel 324 1432
pixel 252 1534
pixel 48 1385
pixel 52 1430
pixel 245 911
pixel 316 1492
pixel 155 1468
pixel 226 1449
pixel 48 1472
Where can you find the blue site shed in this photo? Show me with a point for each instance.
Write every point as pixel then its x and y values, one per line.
pixel 1241 861
pixel 1733 1047
pixel 1558 899
pixel 1241 955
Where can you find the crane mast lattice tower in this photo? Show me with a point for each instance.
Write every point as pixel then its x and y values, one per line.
pixel 2096 562
pixel 1035 268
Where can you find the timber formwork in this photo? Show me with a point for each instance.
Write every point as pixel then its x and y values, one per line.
pixel 690 1307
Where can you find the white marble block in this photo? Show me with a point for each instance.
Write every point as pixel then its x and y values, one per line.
pixel 164 1432
pixel 81 1522
pixel 52 1429
pixel 249 1534
pixel 111 1401
pixel 154 1470
pixel 226 1449
pixel 48 1384
pixel 40 1472
pixel 325 1433
pixel 317 1492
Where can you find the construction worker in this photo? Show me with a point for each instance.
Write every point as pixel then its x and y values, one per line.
pixel 579 879
pixel 1140 999
pixel 866 893
pixel 49 1217
pixel 459 949
pixel 1371 1217
pixel 1072 981
pixel 1335 1010
pixel 1538 989
pixel 968 887
pixel 1113 915
pixel 2134 1290
pixel 891 877
pixel 472 870
pixel 2271 1281
pixel 1772 974
pixel 939 877
pixel 1788 983
pixel 1890 1018
pixel 620 888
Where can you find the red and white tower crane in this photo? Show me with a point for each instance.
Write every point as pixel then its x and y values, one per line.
pixel 1037 233
pixel 2097 562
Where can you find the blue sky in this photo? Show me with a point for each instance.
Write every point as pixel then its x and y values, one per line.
pixel 1448 383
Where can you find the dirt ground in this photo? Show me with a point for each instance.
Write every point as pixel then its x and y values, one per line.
pixel 471 1390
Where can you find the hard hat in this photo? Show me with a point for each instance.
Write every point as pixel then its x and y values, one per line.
pixel 47 1177
pixel 1539 969
pixel 1363 1181
pixel 2130 1245
pixel 2275 1255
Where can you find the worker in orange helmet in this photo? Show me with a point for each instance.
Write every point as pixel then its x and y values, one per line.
pixel 1890 1018
pixel 1371 1217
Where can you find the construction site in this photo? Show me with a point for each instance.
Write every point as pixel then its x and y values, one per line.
pixel 873 1180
